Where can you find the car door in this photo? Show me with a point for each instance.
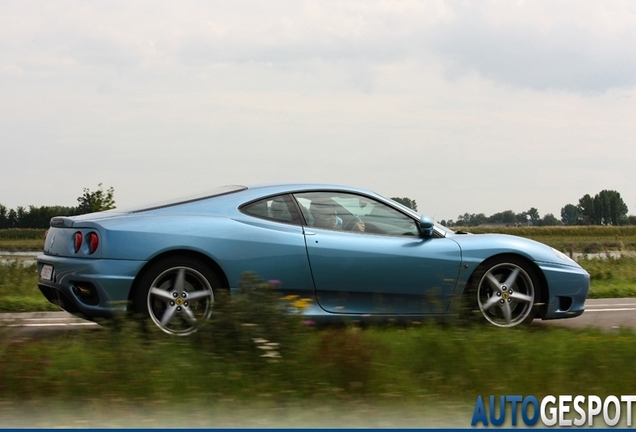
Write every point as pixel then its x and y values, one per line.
pixel 386 268
pixel 273 245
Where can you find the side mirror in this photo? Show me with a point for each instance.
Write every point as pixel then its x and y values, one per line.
pixel 426 226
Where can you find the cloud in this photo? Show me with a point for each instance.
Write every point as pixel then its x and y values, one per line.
pixel 542 45
pixel 502 103
pixel 581 47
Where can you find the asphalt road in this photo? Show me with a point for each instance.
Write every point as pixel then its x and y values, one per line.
pixel 39 322
pixel 607 314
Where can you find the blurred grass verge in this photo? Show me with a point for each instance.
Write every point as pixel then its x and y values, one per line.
pixel 19 290
pixel 343 371
pixel 230 364
pixel 256 365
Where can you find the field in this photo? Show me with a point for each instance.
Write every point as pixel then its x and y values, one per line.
pixel 14 240
pixel 574 239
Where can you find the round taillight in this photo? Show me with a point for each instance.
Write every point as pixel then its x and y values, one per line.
pixel 93 242
pixel 77 241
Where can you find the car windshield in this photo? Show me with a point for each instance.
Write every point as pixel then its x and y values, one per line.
pixel 443 229
pixel 223 190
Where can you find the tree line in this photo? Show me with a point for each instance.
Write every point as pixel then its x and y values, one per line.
pixel 605 208
pixel 40 217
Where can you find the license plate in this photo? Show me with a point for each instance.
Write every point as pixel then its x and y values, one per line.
pixel 47 272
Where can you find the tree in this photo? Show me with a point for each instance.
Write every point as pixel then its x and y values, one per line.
pixel 408 202
pixel 96 201
pixel 549 220
pixel 12 219
pixel 471 219
pixel 609 207
pixel 606 208
pixel 507 217
pixel 40 217
pixel 20 216
pixel 534 216
pixel 463 220
pixel 478 219
pixel 570 214
pixel 32 217
pixel 4 217
pixel 587 215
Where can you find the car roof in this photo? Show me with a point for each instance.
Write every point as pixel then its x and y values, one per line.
pixel 292 187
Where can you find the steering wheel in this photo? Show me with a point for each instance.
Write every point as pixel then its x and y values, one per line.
pixel 351 223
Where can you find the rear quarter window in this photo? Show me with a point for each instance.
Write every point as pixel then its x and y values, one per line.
pixel 278 209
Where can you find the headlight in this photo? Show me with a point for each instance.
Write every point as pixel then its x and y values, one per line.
pixel 563 256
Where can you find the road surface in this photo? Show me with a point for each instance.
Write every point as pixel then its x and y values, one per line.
pixel 607 314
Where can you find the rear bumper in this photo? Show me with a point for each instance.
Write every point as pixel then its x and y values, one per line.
pixel 93 288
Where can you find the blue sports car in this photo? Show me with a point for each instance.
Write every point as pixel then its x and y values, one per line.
pixel 353 252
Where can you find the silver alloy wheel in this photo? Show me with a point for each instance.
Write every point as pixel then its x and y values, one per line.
pixel 506 295
pixel 180 300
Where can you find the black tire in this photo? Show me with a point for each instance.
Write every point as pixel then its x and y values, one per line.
pixel 503 292
pixel 177 294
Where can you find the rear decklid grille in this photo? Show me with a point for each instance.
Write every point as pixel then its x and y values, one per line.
pixel 60 221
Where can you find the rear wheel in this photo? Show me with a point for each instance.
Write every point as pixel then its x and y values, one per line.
pixel 505 292
pixel 177 294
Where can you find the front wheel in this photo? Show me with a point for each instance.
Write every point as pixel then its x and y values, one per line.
pixel 506 292
pixel 177 294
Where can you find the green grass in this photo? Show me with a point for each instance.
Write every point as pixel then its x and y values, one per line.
pixel 582 239
pixel 19 289
pixel 14 240
pixel 376 363
pixel 22 234
pixel 611 277
pixel 424 368
pixel 22 245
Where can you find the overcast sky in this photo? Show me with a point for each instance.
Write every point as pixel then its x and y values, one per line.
pixel 478 106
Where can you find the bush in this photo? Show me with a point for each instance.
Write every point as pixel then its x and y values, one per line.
pixel 253 324
pixel 345 357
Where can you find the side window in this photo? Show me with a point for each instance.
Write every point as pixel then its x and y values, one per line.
pixel 355 213
pixel 279 209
